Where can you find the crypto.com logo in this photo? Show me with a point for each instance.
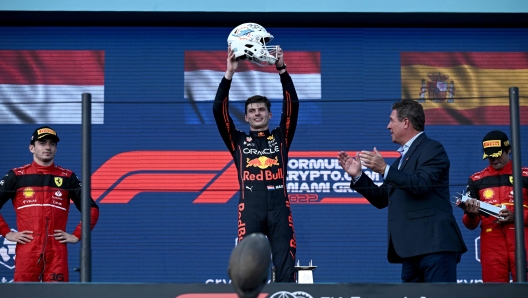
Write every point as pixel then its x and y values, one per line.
pixel 210 174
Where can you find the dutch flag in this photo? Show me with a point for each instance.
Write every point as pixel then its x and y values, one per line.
pixel 205 69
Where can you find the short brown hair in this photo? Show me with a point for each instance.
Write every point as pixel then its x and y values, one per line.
pixel 411 110
pixel 258 98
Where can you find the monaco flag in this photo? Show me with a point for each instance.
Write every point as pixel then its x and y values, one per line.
pixel 46 86
pixel 465 87
pixel 204 71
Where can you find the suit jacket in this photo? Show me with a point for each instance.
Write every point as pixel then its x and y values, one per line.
pixel 420 215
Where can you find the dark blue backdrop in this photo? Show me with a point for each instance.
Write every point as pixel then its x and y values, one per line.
pixel 164 237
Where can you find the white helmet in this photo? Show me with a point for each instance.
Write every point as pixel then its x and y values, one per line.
pixel 248 41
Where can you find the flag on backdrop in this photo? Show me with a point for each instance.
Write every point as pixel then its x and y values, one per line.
pixel 46 86
pixel 205 69
pixel 465 87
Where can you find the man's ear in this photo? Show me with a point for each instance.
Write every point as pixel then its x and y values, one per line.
pixel 407 123
pixel 31 148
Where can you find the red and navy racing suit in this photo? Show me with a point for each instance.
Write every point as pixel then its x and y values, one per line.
pixel 261 158
pixel 497 240
pixel 41 198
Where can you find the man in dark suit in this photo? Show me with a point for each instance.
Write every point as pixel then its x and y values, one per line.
pixel 422 232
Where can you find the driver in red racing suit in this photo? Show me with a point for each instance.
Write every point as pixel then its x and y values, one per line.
pixel 493 185
pixel 41 194
pixel 261 158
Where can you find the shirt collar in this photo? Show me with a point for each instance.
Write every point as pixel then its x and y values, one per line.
pixel 403 149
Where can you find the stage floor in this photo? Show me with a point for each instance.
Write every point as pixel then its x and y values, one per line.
pixel 166 290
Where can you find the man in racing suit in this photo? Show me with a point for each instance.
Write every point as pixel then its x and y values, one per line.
pixel 493 185
pixel 41 194
pixel 261 158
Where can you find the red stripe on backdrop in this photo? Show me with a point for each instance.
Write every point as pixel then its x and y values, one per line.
pixel 485 60
pixel 344 201
pixel 333 154
pixel 487 115
pixel 298 62
pixel 43 67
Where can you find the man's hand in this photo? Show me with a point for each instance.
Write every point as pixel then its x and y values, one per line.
pixel 507 216
pixel 64 237
pixel 20 237
pixel 232 64
pixel 472 206
pixel 373 160
pixel 280 59
pixel 350 164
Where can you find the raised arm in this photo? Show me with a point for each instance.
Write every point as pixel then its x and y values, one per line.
pixel 290 103
pixel 226 126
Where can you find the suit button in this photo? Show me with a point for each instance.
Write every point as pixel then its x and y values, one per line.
pixel 390 202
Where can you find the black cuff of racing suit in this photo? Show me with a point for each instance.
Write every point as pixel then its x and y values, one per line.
pixel 225 83
pixel 285 78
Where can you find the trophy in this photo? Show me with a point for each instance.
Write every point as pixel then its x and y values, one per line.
pixel 484 209
pixel 305 273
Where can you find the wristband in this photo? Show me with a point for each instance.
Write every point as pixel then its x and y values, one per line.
pixel 281 68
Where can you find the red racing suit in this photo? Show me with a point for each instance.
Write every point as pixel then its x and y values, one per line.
pixel 261 158
pixel 41 198
pixel 497 240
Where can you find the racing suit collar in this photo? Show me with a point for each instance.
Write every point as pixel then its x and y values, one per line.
pixel 508 168
pixel 259 134
pixel 43 169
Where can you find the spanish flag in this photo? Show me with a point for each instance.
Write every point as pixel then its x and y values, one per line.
pixel 465 87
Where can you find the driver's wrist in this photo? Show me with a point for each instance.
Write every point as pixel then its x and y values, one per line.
pixel 229 74
pixel 280 66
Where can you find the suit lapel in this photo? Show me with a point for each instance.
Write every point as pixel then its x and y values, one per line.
pixel 406 158
pixel 411 150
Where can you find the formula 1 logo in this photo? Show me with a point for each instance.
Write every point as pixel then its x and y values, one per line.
pixel 7 252
pixel 314 177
